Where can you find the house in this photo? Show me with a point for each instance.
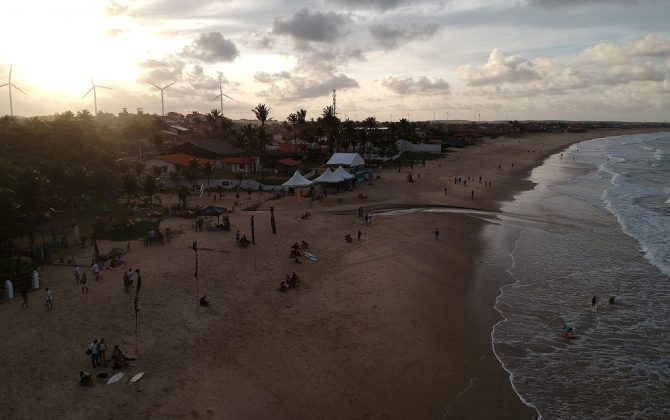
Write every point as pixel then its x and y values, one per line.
pixel 171 163
pixel 287 165
pixel 241 164
pixel 208 149
pixel 406 146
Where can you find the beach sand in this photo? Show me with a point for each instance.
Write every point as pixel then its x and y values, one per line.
pixel 392 326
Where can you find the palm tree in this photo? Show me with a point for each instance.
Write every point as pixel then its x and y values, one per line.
pixel 183 193
pixel 262 114
pixel 151 185
pixel 129 185
pixel 212 118
pixel 84 115
pixel 330 124
pixel 191 170
pixel 102 181
pixel 208 170
pixel 292 121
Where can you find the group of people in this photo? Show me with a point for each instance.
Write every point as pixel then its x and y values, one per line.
pixel 290 282
pixel 130 277
pixel 81 278
pixel 97 350
pixel 298 249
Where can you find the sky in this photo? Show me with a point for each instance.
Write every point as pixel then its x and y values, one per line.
pixel 391 59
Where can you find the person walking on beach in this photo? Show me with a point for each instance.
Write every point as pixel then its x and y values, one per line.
pixel 472 194
pixel 102 348
pixel 95 356
pixel 359 234
pixel 97 273
pixel 436 233
pixel 593 304
pixel 24 296
pixel 77 274
pixel 84 286
pixel 49 298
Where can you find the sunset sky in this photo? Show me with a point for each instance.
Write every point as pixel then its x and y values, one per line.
pixel 524 59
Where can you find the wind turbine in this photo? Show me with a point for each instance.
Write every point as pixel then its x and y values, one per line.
pixel 11 85
pixel 95 96
pixel 221 95
pixel 162 89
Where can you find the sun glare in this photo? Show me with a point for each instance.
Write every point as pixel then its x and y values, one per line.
pixel 59 46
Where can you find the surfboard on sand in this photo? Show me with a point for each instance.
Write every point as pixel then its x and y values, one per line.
pixel 116 378
pixel 136 378
pixel 309 256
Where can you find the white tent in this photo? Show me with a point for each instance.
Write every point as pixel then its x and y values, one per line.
pixel 342 173
pixel 328 177
pixel 350 160
pixel 297 180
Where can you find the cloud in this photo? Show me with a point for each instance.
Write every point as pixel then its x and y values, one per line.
pixel 404 85
pixel 163 71
pixel 201 81
pixel 326 60
pixel 115 8
pixel 571 3
pixel 500 69
pixel 651 46
pixel 382 5
pixel 212 47
pixel 287 87
pixel 390 36
pixel 316 26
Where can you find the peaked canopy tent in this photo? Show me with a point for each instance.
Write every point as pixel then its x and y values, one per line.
pixel 342 173
pixel 328 177
pixel 297 180
pixel 348 160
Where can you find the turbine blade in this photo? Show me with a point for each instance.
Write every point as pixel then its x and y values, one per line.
pixel 4 85
pixel 87 92
pixel 19 89
pixel 104 87
pixel 10 73
pixel 215 98
pixel 154 85
pixel 228 97
pixel 169 85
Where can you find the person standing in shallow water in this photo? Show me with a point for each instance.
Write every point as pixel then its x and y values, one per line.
pixel 593 304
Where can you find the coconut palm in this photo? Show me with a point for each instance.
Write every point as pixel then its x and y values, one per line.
pixel 192 170
pixel 151 185
pixel 208 171
pixel 129 185
pixel 262 113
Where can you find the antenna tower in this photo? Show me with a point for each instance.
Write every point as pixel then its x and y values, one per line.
pixel 334 102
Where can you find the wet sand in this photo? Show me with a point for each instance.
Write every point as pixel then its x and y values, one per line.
pixel 393 326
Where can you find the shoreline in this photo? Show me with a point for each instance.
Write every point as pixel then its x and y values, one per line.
pixel 396 325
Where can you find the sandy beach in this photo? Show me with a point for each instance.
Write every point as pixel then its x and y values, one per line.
pixel 391 326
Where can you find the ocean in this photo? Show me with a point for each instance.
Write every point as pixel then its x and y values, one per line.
pixel 596 224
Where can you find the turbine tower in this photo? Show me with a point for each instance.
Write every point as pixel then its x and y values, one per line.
pixel 95 96
pixel 11 85
pixel 162 89
pixel 221 95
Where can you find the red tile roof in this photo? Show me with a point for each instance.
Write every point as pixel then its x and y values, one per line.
pixel 180 159
pixel 288 162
